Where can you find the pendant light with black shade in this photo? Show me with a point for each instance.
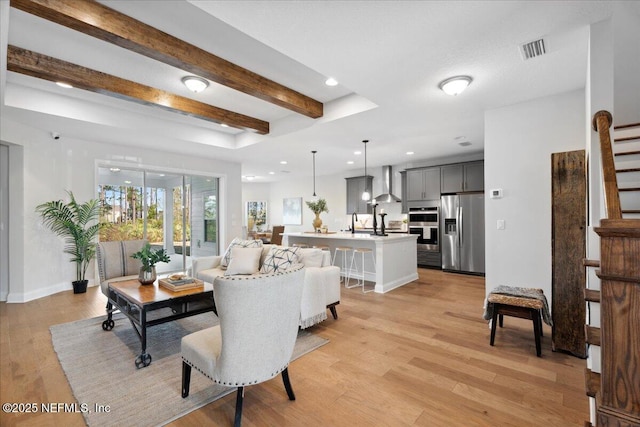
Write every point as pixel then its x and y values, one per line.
pixel 366 195
pixel 314 174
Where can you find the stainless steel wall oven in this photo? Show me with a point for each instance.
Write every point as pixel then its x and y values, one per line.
pixel 424 222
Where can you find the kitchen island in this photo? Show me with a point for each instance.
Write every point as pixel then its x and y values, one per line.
pixel 395 255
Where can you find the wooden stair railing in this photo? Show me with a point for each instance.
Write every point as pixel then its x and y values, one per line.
pixel 602 121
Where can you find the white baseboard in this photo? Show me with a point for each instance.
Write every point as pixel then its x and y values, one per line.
pixel 21 297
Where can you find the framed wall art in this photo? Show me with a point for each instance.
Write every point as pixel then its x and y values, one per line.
pixel 256 215
pixel 292 211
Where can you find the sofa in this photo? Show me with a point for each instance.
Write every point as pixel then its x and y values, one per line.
pixel 321 290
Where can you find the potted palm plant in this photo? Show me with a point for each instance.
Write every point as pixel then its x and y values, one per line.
pixel 78 224
pixel 149 259
pixel 317 207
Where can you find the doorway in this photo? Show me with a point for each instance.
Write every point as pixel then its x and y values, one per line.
pixel 4 222
pixel 174 211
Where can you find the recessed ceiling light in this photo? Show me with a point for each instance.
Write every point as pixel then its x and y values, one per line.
pixel 224 125
pixel 64 85
pixel 250 177
pixel 331 82
pixel 114 169
pixel 357 153
pixel 350 162
pixel 195 84
pixel 458 138
pixel 127 182
pixel 272 173
pixel 455 85
pixel 410 153
pixel 283 162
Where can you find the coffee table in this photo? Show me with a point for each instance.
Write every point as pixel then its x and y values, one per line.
pixel 149 305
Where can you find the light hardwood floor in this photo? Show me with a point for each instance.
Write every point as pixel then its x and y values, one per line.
pixel 418 355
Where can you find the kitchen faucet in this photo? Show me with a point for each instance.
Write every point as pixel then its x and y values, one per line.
pixel 353 226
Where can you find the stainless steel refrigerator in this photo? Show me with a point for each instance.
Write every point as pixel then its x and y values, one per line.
pixel 462 231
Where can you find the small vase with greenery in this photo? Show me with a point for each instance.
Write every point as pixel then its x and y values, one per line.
pixel 317 207
pixel 149 259
pixel 78 224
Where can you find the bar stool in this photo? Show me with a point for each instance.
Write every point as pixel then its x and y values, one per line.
pixel 344 250
pixel 360 275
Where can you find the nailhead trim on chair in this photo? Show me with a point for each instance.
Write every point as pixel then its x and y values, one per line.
pixel 196 368
pixel 290 270
pixel 231 384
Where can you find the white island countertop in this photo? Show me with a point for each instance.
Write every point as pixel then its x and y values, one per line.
pixel 395 254
pixel 354 236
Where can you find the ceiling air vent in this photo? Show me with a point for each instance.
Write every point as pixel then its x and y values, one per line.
pixel 532 49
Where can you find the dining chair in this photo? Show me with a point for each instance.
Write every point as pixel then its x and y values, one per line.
pixel 259 316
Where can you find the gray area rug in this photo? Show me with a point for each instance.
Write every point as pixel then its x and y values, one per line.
pixel 100 368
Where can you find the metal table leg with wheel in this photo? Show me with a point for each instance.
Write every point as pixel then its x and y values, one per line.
pixel 144 359
pixel 108 324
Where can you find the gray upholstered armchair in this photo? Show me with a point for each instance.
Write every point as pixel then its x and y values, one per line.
pixel 254 341
pixel 115 263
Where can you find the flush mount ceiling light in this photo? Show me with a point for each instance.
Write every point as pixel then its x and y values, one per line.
pixel 195 84
pixel 331 82
pixel 455 85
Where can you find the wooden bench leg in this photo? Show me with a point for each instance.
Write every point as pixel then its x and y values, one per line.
pixel 494 320
pixel 499 310
pixel 537 330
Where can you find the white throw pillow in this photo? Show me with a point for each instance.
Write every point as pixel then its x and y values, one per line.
pixel 311 257
pixel 241 243
pixel 280 259
pixel 243 261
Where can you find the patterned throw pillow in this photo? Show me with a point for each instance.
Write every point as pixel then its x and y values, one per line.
pixel 241 243
pixel 279 259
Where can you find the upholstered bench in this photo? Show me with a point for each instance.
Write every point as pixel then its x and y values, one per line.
pixel 525 303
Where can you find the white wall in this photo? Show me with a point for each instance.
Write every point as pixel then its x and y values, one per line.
pixel 519 140
pixel 51 167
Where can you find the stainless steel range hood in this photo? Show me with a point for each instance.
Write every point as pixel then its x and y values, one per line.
pixel 387 185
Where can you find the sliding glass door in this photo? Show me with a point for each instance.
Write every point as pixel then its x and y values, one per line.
pixel 169 210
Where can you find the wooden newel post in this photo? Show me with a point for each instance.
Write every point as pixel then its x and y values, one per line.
pixel 601 123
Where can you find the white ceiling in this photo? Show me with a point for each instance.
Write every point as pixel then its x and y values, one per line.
pixel 388 56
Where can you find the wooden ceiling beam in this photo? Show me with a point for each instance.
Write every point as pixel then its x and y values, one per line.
pixel 97 20
pixel 45 67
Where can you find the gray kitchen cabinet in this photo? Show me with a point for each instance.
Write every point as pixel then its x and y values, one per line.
pixel 423 184
pixel 403 191
pixel 462 177
pixel 355 188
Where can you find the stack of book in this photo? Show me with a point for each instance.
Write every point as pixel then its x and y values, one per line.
pixel 180 284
